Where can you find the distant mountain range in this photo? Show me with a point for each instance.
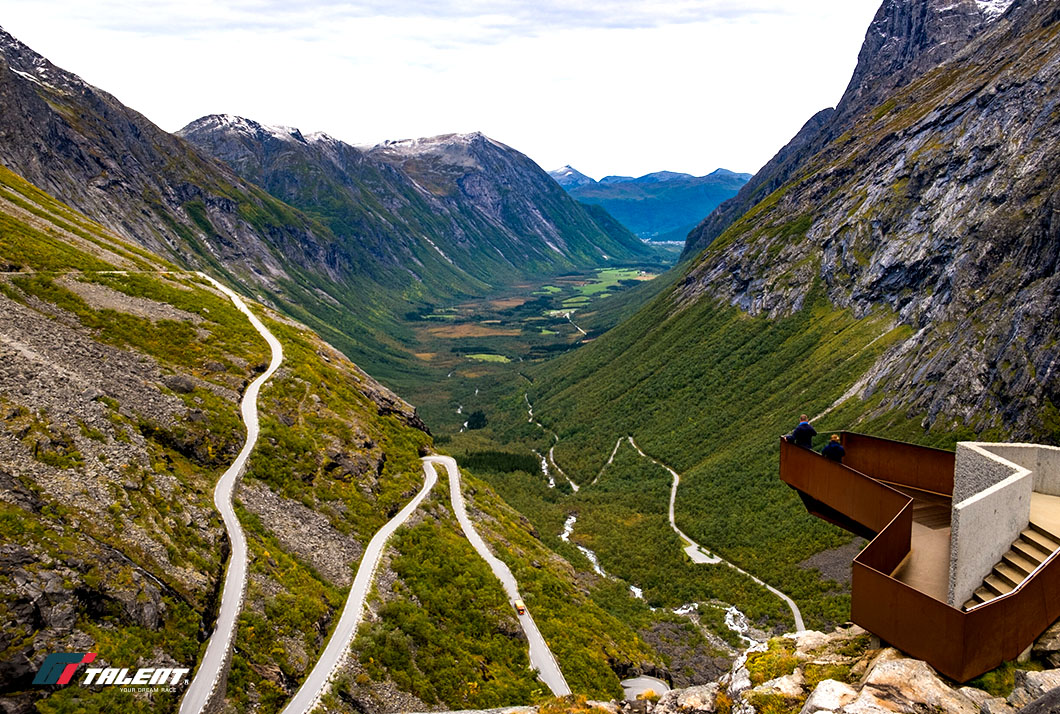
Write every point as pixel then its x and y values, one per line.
pixel 444 208
pixel 341 238
pixel 660 206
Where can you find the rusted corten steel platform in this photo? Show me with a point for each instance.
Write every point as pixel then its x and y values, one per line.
pixel 862 495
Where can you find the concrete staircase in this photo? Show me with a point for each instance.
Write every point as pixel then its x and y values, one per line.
pixel 1034 545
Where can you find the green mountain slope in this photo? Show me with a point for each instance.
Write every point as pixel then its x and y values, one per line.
pixel 903 282
pixel 120 376
pixel 371 243
pixel 456 213
pixel 119 384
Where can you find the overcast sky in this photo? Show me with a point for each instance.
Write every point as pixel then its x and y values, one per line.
pixel 609 86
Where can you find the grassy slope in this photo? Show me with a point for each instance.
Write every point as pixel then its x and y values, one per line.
pixel 585 638
pixel 707 390
pixel 175 465
pixel 288 599
pixel 313 412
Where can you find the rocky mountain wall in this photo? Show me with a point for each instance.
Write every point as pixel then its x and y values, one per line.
pixel 905 40
pixel 939 206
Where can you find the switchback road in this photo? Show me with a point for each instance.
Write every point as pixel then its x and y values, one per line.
pixel 699 554
pixel 541 657
pixel 219 647
pixel 335 653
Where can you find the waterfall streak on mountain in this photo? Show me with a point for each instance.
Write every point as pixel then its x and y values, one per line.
pixel 317 684
pixel 699 554
pixel 218 651
pixel 541 657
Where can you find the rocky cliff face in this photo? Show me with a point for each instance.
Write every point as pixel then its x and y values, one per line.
pixel 507 190
pixel 939 206
pixel 905 40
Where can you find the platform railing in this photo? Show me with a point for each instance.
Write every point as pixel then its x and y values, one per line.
pixel 959 644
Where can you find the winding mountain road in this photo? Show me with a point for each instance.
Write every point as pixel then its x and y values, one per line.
pixel 541 657
pixel 699 554
pixel 308 696
pixel 219 648
pixel 695 551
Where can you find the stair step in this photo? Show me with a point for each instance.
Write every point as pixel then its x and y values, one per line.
pixel 1030 551
pixel 998 585
pixel 1045 532
pixel 971 603
pixel 1040 539
pixel 1009 574
pixel 1019 562
pixel 984 595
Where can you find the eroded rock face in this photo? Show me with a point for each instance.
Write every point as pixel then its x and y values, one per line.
pixel 939 205
pixel 1033 685
pixel 905 40
pixel 1048 646
pixel 875 681
pixel 902 685
pixel 829 696
pixel 304 532
pixel 694 700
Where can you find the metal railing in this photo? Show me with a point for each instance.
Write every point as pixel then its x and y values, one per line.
pixel 959 644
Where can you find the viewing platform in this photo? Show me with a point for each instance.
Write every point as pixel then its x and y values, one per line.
pixel 962 569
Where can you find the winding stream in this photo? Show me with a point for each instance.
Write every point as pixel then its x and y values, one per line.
pixel 568 529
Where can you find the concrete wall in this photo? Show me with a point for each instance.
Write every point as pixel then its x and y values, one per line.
pixel 1047 477
pixel 991 505
pixel 1044 461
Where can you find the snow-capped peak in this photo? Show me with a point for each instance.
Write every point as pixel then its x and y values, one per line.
pixel 432 143
pixel 993 8
pixel 250 127
pixel 33 67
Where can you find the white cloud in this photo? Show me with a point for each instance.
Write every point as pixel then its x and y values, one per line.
pixel 609 87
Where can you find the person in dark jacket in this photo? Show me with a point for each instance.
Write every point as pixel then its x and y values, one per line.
pixel 834 450
pixel 803 433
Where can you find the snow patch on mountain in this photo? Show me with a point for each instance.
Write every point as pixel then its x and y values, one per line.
pixel 249 127
pixel 993 8
pixel 413 147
